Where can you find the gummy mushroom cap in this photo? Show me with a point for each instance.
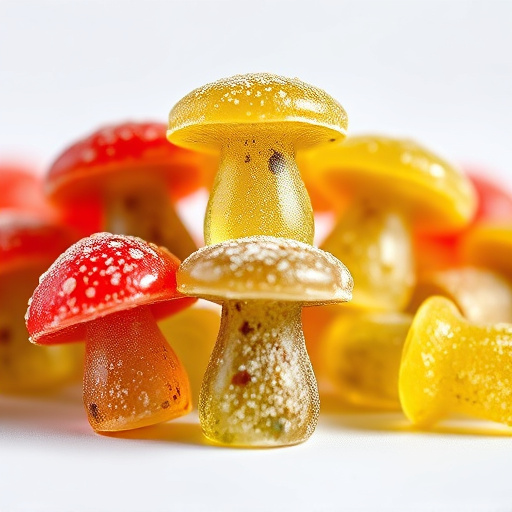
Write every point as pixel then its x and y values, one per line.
pixel 433 193
pixel 265 268
pixel 99 275
pixel 27 241
pixel 81 169
pixel 212 113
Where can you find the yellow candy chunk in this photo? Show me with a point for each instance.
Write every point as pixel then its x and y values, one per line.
pixel 451 366
pixel 257 122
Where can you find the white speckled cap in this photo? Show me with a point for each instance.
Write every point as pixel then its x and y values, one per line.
pixel 265 268
pixel 212 113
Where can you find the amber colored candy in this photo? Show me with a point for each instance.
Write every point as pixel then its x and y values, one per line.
pixel 451 366
pixel 383 188
pixel 360 356
pixel 109 291
pixel 259 388
pixel 257 122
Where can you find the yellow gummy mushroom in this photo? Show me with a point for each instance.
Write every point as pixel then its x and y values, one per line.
pixel 387 187
pixel 257 122
pixel 452 366
pixel 360 356
pixel 259 388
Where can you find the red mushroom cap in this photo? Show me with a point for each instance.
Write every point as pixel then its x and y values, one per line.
pixel 26 241
pixel 80 169
pixel 97 276
pixel 22 190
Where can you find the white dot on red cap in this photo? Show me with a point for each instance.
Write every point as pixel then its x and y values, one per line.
pixel 69 285
pixel 136 254
pixel 88 155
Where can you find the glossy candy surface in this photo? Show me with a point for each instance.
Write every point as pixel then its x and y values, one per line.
pixel 109 290
pixel 451 366
pixel 259 389
pixel 257 122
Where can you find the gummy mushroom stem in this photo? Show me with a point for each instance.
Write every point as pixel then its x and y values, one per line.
pixel 126 348
pixel 258 190
pixel 259 388
pixel 451 366
pixel 145 211
pixel 374 240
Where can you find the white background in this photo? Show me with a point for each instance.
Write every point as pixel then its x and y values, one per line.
pixel 436 71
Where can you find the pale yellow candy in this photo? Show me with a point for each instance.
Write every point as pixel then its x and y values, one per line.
pixel 481 295
pixel 259 388
pixel 451 366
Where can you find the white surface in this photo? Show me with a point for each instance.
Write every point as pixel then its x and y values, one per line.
pixel 437 71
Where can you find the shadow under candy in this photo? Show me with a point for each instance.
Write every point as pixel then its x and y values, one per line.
pixel 339 414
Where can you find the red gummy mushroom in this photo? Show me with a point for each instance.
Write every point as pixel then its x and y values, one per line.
pixel 27 247
pixel 22 190
pixel 133 176
pixel 109 290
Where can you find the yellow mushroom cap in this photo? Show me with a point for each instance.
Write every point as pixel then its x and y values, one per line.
pixel 265 268
pixel 433 194
pixel 490 246
pixel 213 113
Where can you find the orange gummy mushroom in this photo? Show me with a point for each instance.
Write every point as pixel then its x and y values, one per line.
pixel 133 176
pixel 109 290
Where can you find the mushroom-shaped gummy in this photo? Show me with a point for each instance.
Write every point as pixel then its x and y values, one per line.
pixel 392 186
pixel 109 290
pixel 27 247
pixel 452 366
pixel 257 122
pixel 360 357
pixel 133 176
pixel 259 388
